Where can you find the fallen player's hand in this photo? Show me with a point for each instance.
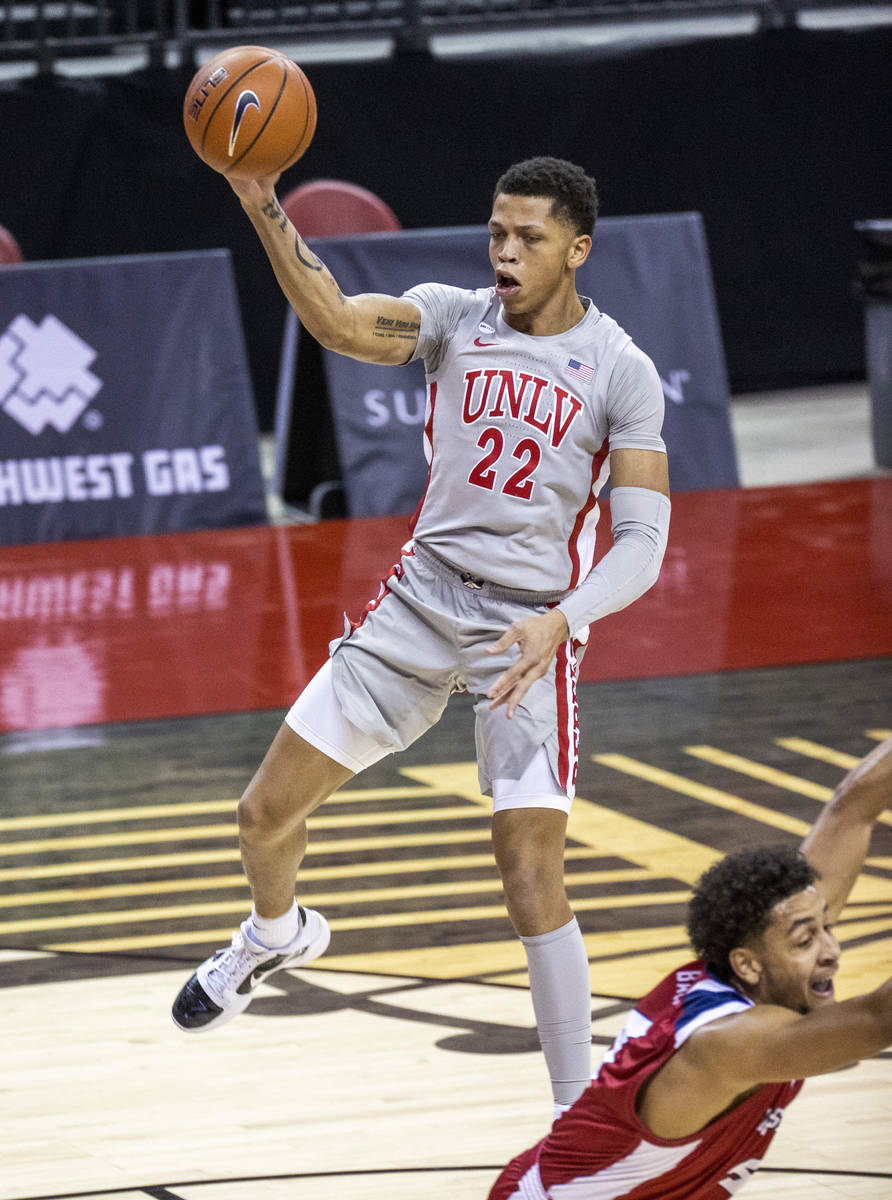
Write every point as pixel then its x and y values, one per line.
pixel 538 638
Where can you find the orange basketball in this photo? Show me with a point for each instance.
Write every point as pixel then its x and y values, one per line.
pixel 249 112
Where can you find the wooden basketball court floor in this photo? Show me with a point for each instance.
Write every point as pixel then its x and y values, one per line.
pixel 140 682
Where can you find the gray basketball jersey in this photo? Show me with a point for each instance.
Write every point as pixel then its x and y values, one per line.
pixel 517 435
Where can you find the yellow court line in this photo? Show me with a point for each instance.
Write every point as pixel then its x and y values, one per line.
pixel 338 924
pixel 878 735
pixel 185 858
pixel 849 931
pixel 99 816
pixel 502 960
pixel 343 924
pixel 666 855
pixel 174 912
pixel 815 750
pixel 857 908
pixel 654 936
pixel 756 770
pixel 358 845
pixel 390 866
pixel 188 808
pixel 874 889
pixel 355 870
pixel 699 791
pixel 112 891
pixel 136 837
pixel 463 812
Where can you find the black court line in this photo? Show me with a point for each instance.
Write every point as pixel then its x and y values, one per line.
pixel 165 1192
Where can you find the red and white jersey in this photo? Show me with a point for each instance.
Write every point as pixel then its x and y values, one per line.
pixel 600 1150
pixel 517 434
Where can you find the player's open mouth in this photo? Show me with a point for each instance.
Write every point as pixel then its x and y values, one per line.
pixel 506 285
pixel 823 988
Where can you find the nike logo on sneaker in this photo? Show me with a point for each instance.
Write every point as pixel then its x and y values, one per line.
pixel 477 342
pixel 251 981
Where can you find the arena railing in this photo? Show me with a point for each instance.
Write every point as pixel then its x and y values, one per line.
pixel 46 32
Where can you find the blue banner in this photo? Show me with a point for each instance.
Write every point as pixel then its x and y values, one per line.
pixel 125 400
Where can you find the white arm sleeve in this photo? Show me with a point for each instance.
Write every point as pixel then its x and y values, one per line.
pixel 632 565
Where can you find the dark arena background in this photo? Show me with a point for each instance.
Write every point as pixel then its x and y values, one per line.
pixel 144 667
pixel 780 139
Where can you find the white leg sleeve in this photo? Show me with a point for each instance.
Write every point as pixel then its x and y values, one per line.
pixel 561 989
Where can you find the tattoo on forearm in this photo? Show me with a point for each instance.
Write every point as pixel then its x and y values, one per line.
pixel 334 283
pixel 388 327
pixel 273 209
pixel 313 263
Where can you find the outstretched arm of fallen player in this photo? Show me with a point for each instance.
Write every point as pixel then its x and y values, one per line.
pixel 768 1043
pixel 837 844
pixel 370 327
pixel 723 1061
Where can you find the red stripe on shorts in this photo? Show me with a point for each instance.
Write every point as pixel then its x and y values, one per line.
pixel 396 572
pixel 567 717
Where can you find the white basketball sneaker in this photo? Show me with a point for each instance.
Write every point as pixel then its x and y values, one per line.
pixel 224 984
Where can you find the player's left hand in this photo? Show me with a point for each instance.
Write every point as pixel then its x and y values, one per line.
pixel 538 638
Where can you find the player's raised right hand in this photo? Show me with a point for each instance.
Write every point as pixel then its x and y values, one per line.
pixel 255 192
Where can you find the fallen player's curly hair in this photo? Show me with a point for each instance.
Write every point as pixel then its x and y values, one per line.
pixel 732 901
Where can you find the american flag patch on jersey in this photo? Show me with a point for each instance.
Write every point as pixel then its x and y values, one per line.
pixel 583 370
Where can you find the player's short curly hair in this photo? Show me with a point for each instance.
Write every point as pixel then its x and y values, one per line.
pixel 574 194
pixel 732 901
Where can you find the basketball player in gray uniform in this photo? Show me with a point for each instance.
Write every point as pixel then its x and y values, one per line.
pixel 533 395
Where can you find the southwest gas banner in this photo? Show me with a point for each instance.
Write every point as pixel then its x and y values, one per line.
pixel 650 273
pixel 125 400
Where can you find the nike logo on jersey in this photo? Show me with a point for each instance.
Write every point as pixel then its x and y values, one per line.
pixel 257 975
pixel 245 101
pixel 477 342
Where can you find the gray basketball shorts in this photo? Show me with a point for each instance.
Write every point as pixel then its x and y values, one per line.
pixel 424 637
